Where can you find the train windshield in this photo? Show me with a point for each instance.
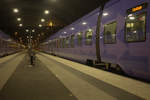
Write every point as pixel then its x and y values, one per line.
pixel 136 28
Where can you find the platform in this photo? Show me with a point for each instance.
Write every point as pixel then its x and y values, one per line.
pixel 53 78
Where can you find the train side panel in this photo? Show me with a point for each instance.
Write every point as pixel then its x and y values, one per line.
pixel 131 47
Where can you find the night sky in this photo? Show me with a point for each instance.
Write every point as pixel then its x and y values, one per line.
pixel 62 13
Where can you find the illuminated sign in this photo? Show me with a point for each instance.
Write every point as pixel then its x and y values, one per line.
pixel 137 8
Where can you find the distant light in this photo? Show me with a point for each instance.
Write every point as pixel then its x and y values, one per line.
pixel 72 28
pixel 65 32
pixel 84 23
pixel 33 30
pixel 105 14
pixel 46 12
pixel 27 30
pixel 20 25
pixel 15 10
pixel 18 19
pixel 27 37
pixel 42 20
pixel 132 18
pixel 51 24
pixel 40 25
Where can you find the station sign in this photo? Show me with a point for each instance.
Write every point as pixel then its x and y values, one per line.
pixel 137 8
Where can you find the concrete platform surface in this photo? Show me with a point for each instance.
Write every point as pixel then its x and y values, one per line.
pixel 119 87
pixel 54 78
pixel 34 83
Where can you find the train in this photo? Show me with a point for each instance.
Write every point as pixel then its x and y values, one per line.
pixel 8 46
pixel 117 36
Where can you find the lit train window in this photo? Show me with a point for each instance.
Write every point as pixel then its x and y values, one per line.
pixel 79 38
pixel 72 41
pixel 135 28
pixel 110 33
pixel 88 37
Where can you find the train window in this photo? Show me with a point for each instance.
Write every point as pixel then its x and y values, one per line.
pixel 72 41
pixel 79 38
pixel 110 33
pixel 88 37
pixel 67 42
pixel 63 43
pixel 135 28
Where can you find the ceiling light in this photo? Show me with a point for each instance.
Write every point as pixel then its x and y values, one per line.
pixel 72 28
pixel 42 20
pixel 84 23
pixel 105 14
pixel 18 19
pixel 27 30
pixel 15 10
pixel 40 25
pixel 20 25
pixel 33 30
pixel 46 12
pixel 65 32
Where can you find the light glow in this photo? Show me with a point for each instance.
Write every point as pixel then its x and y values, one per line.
pixel 105 14
pixel 72 28
pixel 46 12
pixel 20 25
pixel 84 23
pixel 40 25
pixel 19 19
pixel 15 10
pixel 42 20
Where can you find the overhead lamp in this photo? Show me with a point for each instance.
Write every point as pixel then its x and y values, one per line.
pixel 33 30
pixel 27 30
pixel 65 32
pixel 40 25
pixel 105 14
pixel 72 28
pixel 15 10
pixel 84 23
pixel 42 20
pixel 46 12
pixel 18 19
pixel 20 25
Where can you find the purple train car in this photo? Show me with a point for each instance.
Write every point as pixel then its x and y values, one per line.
pixel 7 45
pixel 118 36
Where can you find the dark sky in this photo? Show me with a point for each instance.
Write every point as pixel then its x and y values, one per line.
pixel 62 12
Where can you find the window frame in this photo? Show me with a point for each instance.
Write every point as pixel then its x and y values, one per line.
pixel 91 38
pixel 115 32
pixel 81 41
pixel 72 41
pixel 125 31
